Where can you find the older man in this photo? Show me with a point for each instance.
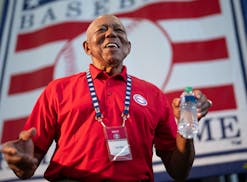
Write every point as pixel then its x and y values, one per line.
pixel 104 121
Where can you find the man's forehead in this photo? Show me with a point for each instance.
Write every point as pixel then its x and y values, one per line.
pixel 106 20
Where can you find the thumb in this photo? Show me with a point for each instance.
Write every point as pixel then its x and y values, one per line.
pixel 176 103
pixel 27 134
pixel 176 108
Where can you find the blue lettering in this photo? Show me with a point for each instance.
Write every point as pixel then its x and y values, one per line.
pixel 229 127
pixel 126 3
pixel 205 128
pixel 27 21
pixel 74 9
pixel 101 7
pixel 48 16
pixel 219 128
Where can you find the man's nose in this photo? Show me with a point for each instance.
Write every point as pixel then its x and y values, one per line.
pixel 110 33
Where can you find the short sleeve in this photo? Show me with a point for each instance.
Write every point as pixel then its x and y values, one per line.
pixel 43 118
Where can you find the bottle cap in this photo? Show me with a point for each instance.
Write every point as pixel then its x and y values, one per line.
pixel 188 89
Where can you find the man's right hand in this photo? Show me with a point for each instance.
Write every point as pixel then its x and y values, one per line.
pixel 19 154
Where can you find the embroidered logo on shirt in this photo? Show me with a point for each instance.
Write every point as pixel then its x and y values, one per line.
pixel 140 100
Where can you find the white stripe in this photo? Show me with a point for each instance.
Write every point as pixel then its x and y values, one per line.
pixel 19 105
pixel 219 158
pixel 94 98
pixel 195 29
pixel 25 61
pixel 200 74
pixel 93 93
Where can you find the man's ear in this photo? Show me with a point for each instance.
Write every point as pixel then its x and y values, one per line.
pixel 129 47
pixel 86 47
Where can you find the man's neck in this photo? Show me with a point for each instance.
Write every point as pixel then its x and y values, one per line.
pixel 110 70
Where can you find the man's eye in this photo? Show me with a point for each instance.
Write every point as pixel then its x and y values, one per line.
pixel 102 29
pixel 119 30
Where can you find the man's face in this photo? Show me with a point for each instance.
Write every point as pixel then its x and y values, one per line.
pixel 107 42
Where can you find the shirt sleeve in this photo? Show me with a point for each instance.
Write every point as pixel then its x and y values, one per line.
pixel 166 130
pixel 43 117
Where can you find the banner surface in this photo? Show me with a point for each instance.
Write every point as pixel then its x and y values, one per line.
pixel 200 43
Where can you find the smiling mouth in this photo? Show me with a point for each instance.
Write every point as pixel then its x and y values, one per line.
pixel 111 45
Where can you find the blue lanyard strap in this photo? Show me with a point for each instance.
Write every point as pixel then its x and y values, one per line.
pixel 99 115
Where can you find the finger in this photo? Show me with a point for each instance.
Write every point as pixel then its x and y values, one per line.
pixel 9 151
pixel 27 134
pixel 12 159
pixel 203 109
pixel 198 94
pixel 24 161
pixel 175 106
pixel 30 159
pixel 176 102
pixel 205 105
pixel 210 103
pixel 22 169
pixel 202 114
pixel 9 148
pixel 14 167
pixel 201 98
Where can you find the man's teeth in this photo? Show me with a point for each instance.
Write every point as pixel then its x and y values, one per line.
pixel 112 45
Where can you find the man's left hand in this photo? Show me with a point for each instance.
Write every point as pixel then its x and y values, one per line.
pixel 203 104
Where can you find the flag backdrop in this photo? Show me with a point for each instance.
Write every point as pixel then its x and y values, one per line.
pixel 201 43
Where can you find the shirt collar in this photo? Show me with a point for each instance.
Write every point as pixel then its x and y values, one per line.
pixel 97 73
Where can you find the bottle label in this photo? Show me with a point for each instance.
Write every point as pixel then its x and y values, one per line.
pixel 190 98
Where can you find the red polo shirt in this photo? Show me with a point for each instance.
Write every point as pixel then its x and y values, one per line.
pixel 64 113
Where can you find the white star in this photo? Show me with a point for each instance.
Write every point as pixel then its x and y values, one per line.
pixel 32 3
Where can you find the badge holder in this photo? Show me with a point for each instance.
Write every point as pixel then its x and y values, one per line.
pixel 116 137
pixel 117 142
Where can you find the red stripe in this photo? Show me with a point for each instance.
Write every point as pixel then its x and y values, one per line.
pixel 175 10
pixel 31 80
pixel 12 128
pixel 63 31
pixel 154 11
pixel 199 50
pixel 217 94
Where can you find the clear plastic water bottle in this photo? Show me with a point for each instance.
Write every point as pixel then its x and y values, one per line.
pixel 188 124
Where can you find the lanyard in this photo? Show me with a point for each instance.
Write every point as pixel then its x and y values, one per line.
pixel 99 115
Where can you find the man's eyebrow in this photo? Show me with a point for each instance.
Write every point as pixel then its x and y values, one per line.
pixel 114 25
pixel 102 25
